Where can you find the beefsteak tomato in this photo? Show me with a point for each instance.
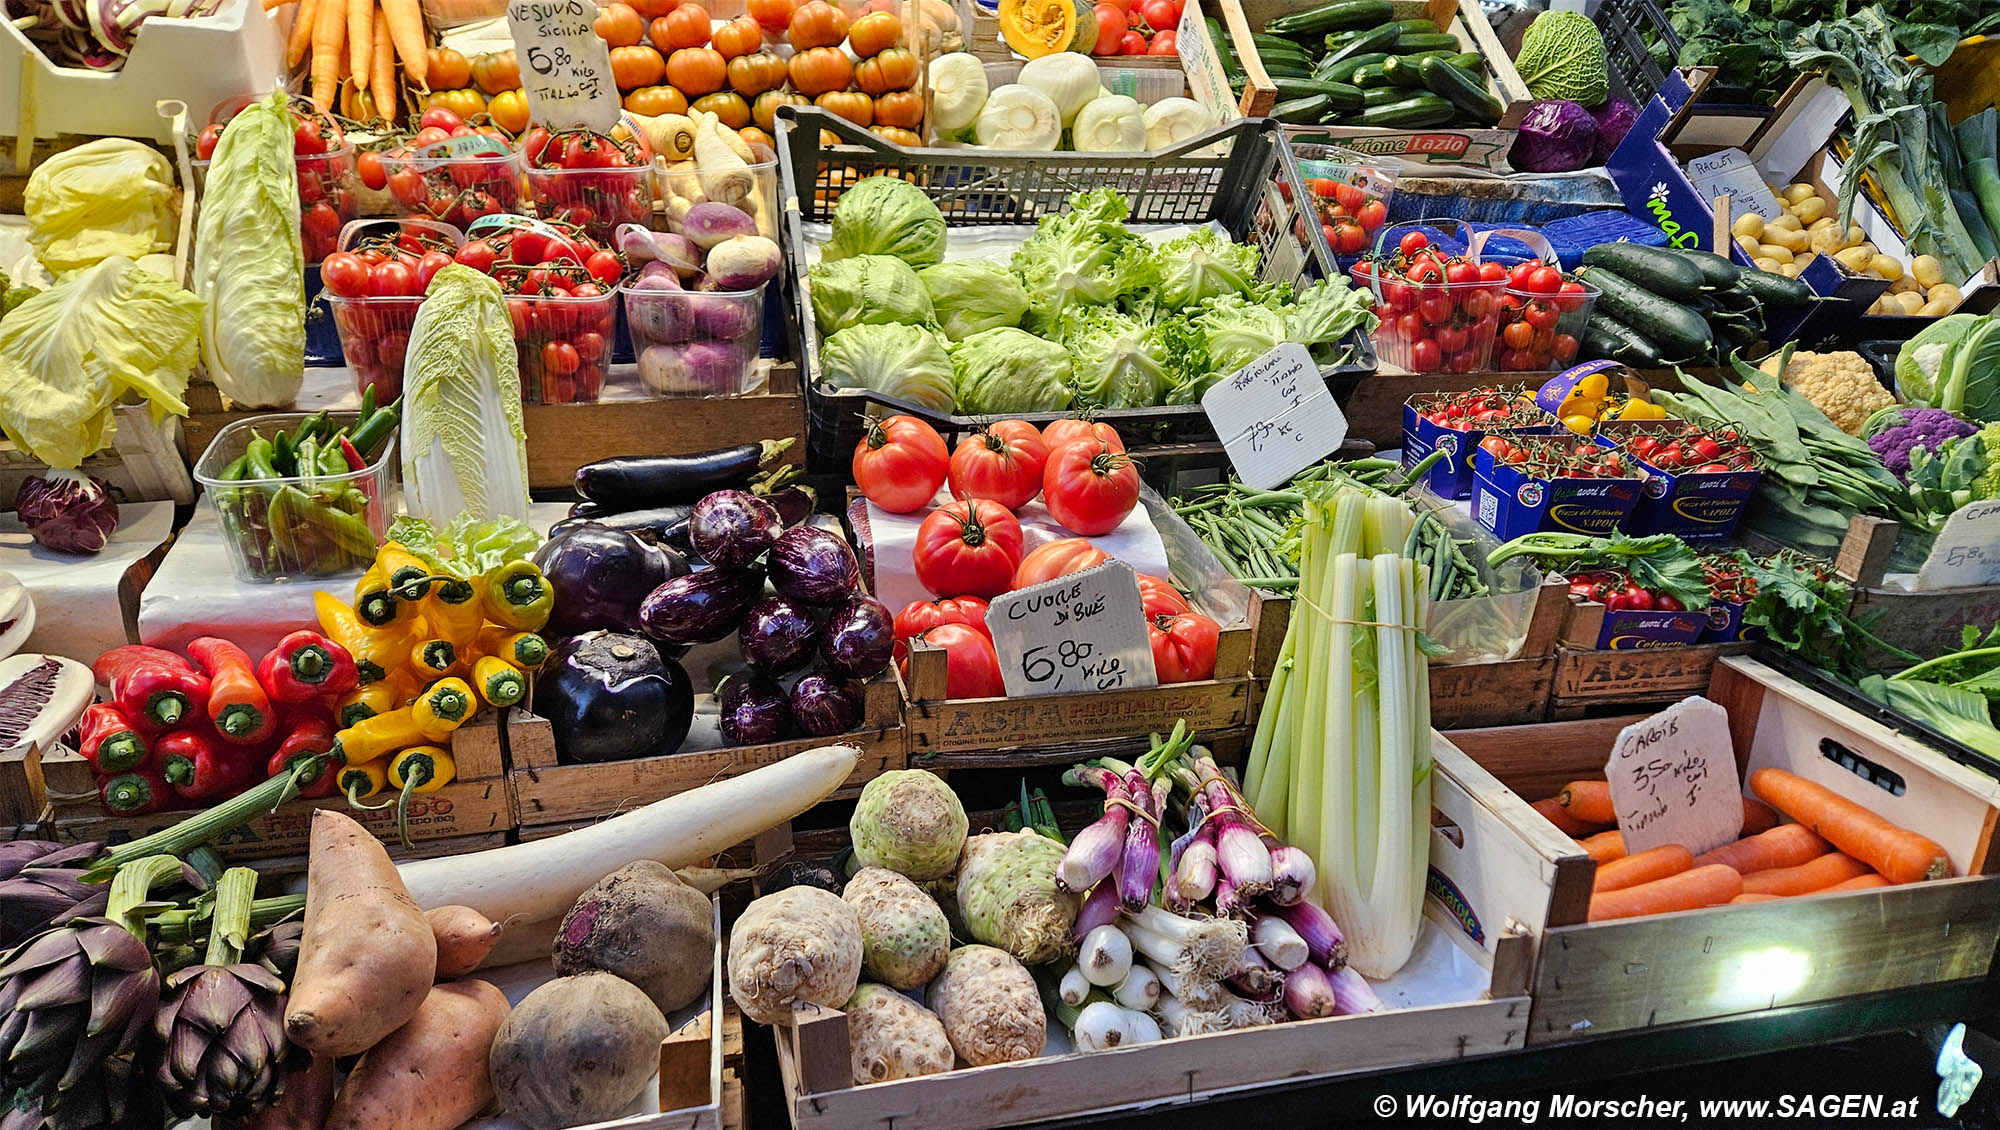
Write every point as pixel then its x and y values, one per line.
pixel 1070 429
pixel 900 464
pixel 1160 598
pixel 1058 559
pixel 920 616
pixel 1002 462
pixel 1090 489
pixel 1183 647
pixel 968 548
pixel 971 666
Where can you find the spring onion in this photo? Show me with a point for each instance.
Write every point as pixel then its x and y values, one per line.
pixel 1100 908
pixel 1105 957
pixel 1319 931
pixel 1208 946
pixel 1279 943
pixel 1073 987
pixel 1139 990
pixel 1309 993
pixel 1352 994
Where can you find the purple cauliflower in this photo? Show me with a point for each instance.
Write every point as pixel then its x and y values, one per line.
pixel 1892 432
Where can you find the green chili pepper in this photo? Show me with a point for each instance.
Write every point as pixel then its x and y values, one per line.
pixel 258 459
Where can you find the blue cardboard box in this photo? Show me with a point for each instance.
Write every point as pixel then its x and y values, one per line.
pixel 1511 503
pixel 1695 507
pixel 1451 477
pixel 1629 629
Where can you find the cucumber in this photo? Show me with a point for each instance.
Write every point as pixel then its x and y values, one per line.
pixel 1343 70
pixel 1680 333
pixel 1776 290
pixel 1716 270
pixel 1339 95
pixel 1377 40
pixel 1607 337
pixel 1333 17
pixel 1302 111
pixel 1224 53
pixel 1403 71
pixel 1371 76
pixel 1409 43
pixel 1468 94
pixel 1666 273
pixel 1382 96
pixel 1421 111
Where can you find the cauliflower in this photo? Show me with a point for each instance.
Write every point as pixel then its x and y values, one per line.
pixel 1842 385
pixel 1892 432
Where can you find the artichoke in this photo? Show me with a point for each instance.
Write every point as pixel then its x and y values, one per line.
pixel 221 1027
pixel 41 883
pixel 117 1096
pixel 16 854
pixel 277 949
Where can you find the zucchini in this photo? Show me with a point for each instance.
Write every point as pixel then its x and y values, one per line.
pixel 1468 94
pixel 1680 333
pixel 1415 27
pixel 1224 53
pixel 1377 40
pixel 1333 17
pixel 1666 273
pixel 1410 42
pixel 1403 71
pixel 1343 70
pixel 1266 42
pixel 1716 270
pixel 1302 111
pixel 1607 337
pixel 1469 62
pixel 1420 111
pixel 1287 68
pixel 1339 95
pixel 1371 76
pixel 1382 96
pixel 1776 290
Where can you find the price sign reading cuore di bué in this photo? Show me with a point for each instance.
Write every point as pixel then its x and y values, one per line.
pixel 1081 632
pixel 565 67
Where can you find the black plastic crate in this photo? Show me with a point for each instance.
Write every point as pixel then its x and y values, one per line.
pixel 1851 697
pixel 1252 191
pixel 1627 26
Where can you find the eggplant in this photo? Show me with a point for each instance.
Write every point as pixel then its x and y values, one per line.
pixel 610 696
pixel 778 635
pixel 731 529
pixel 585 508
pixel 813 566
pixel 795 504
pixel 600 575
pixel 637 482
pixel 824 704
pixel 701 607
pixel 755 710
pixel 859 638
pixel 662 525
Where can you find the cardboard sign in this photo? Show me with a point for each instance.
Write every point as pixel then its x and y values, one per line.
pixel 1082 632
pixel 1967 551
pixel 1275 416
pixel 565 67
pixel 1673 779
pixel 1732 172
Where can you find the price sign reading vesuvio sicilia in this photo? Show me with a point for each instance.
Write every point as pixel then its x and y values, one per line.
pixel 565 67
pixel 1082 632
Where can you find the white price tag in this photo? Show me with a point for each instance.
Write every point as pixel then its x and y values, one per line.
pixel 1275 416
pixel 565 67
pixel 1082 632
pixel 1967 551
pixel 1673 779
pixel 1732 171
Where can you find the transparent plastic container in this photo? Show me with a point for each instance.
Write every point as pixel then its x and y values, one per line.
pixel 681 188
pixel 1554 327
pixel 695 343
pixel 299 527
pixel 1435 325
pixel 1350 194
pixel 596 200
pixel 455 188
pixel 375 332
pixel 563 345
pixel 329 184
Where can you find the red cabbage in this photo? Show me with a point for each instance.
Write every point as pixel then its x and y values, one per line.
pixel 1614 120
pixel 1557 136
pixel 67 511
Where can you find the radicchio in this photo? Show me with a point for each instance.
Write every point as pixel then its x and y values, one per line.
pixel 67 511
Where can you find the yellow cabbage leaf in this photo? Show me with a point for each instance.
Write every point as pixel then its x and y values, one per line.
pixel 106 197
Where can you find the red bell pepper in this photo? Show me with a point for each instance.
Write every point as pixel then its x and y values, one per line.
pixel 310 738
pixel 202 767
pixel 108 740
pixel 306 665
pixel 237 705
pixel 136 791
pixel 155 688
pixel 296 714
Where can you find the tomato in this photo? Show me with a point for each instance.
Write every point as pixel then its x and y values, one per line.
pixel 653 101
pixel 204 146
pixel 685 26
pixel 1519 274
pixel 533 143
pixel 307 140
pixel 1541 315
pixel 1348 236
pixel 904 108
pixel 1413 242
pixel 617 24
pixel 972 667
pixel 634 67
pixel 1160 598
pixel 1435 309
pixel 1132 43
pixel 1410 327
pixel 604 266
pixel 1059 558
pixel 853 105
pixel 751 75
pixel 344 274
pixel 874 33
pixel 968 548
pixel 447 69
pixel 1518 335
pixel 1450 338
pixel 1183 646
pixel 1003 462
pixel 890 70
pixel 1110 29
pixel 772 15
pixel 477 254
pixel 820 70
pixel 1160 15
pixel 900 464
pixel 509 110
pixel 764 111
pixel 817 23
pixel 1071 429
pixel 560 358
pixel 1164 43
pixel 430 265
pixel 1425 356
pixel 1544 281
pixel 429 136
pixel 1090 490
pixel 500 71
pixel 392 279
pixel 739 36
pixel 920 616
pixel 1570 297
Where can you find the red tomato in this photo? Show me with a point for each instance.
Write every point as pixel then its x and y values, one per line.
pixel 1371 215
pixel 1518 335
pixel 920 616
pixel 1519 274
pixel 1055 559
pixel 1425 356
pixel 1348 236
pixel 1160 15
pixel 561 358
pixel 430 265
pixel 1090 491
pixel 1450 338
pixel 604 267
pixel 1541 315
pixel 477 254
pixel 1461 272
pixel 1544 281
pixel 204 146
pixel 1569 298
pixel 307 140
pixel 430 135
pixel 1413 242
pixel 971 666
pixel 1070 429
pixel 1132 43
pixel 900 464
pixel 1183 646
pixel 1164 43
pixel 344 274
pixel 440 118
pixel 1435 309
pixel 392 279
pixel 1161 598
pixel 968 548
pixel 1110 29
pixel 368 165
pixel 1003 462
pixel 1351 196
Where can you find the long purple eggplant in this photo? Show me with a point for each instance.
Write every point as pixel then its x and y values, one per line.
pixel 701 607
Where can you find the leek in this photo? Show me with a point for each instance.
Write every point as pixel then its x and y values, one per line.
pixel 1979 145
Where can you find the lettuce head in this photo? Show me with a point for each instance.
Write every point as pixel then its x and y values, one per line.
pixel 906 362
pixel 105 197
pixel 248 260
pixel 887 216
pixel 1083 257
pixel 973 295
pixel 867 290
pixel 1117 361
pixel 1204 264
pixel 1004 371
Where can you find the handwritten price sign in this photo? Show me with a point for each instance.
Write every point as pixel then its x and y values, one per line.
pixel 1673 779
pixel 1967 550
pixel 1082 632
pixel 1275 416
pixel 565 67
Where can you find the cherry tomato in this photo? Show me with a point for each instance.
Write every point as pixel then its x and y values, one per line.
pixel 1425 356
pixel 1371 215
pixel 972 667
pixel 344 274
pixel 1477 304
pixel 1492 272
pixel 1541 315
pixel 1132 43
pixel 968 547
pixel 1570 297
pixel 1461 272
pixel 1450 338
pixel 477 254
pixel 308 140
pixel 204 146
pixel 1518 335
pixel 1003 462
pixel 430 265
pixel 560 358
pixel 1413 242
pixel 1164 43
pixel 900 464
pixel 437 117
pixel 1543 281
pixel 391 280
pixel 1410 327
pixel 1183 646
pixel 1435 309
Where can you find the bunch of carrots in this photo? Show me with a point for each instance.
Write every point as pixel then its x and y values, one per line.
pixel 1831 844
pixel 356 43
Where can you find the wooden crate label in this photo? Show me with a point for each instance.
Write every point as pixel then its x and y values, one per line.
pixel 1673 779
pixel 1615 674
pixel 1069 717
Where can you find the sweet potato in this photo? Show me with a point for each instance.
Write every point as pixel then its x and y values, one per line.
pixel 464 938
pixel 430 1074
pixel 367 958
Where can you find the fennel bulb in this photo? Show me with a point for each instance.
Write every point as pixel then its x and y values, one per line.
pixel 1067 79
pixel 958 90
pixel 1018 117
pixel 463 445
pixel 1171 121
pixel 1115 123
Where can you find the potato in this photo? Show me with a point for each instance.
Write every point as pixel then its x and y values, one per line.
pixel 1821 223
pixel 1775 251
pixel 1879 306
pixel 1786 221
pixel 800 944
pixel 1936 309
pixel 1767 264
pixel 1799 192
pixel 1927 271
pixel 1793 241
pixel 989 1006
pixel 1790 270
pixel 430 1074
pixel 1810 209
pixel 1946 293
pixel 890 1036
pixel 1826 240
pixel 1905 284
pixel 1804 261
pixel 643 924
pixel 1749 225
pixel 1906 302
pixel 1748 245
pixel 1854 259
pixel 1888 266
pixel 576 1050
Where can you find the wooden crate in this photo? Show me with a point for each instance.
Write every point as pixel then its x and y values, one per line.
pixel 1927 623
pixel 143 463
pixel 1491 873
pixel 1598 978
pixel 1587 678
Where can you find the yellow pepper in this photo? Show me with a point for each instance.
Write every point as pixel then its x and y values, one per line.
pixel 432 659
pixel 365 702
pixel 373 602
pixel 525 650
pixel 442 708
pixel 364 780
pixel 406 572
pixel 518 596
pixel 374 738
pixel 376 651
pixel 456 611
pixel 498 682
pixel 419 769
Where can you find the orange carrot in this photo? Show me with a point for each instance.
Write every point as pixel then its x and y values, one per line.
pixel 1757 816
pixel 1712 885
pixel 406 31
pixel 385 70
pixel 301 34
pixel 1747 897
pixel 360 40
pixel 1858 883
pixel 329 28
pixel 1605 846
pixel 1645 867
pixel 1553 811
pixel 1902 856
pixel 1589 800
pixel 1815 875
pixel 1786 845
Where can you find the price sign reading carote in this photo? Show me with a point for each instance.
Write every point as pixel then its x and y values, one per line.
pixel 1275 416
pixel 1967 550
pixel 1081 632
pixel 1673 779
pixel 565 67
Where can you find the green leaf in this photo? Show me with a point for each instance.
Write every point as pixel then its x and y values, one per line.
pixel 1933 43
pixel 1959 715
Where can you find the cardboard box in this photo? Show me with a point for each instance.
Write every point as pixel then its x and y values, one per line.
pixel 1696 507
pixel 1511 503
pixel 1451 477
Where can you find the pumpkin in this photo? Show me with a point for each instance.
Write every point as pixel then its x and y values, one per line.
pixel 1034 28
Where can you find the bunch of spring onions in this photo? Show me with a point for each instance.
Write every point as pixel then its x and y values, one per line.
pixel 1195 918
pixel 1340 764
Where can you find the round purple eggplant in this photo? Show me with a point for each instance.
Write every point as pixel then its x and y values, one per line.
pixel 701 607
pixel 813 566
pixel 778 635
pixel 600 575
pixel 613 697
pixel 731 529
pixel 755 710
pixel 859 638
pixel 824 704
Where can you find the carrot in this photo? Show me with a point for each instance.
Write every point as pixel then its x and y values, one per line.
pixel 1747 897
pixel 1902 856
pixel 1858 883
pixel 1690 890
pixel 385 70
pixel 406 31
pixel 1645 867
pixel 1786 845
pixel 360 40
pixel 1589 800
pixel 1605 846
pixel 1553 811
pixel 1757 816
pixel 329 27
pixel 301 34
pixel 1815 875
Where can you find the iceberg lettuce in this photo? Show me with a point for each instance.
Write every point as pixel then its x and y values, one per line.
pixel 973 295
pixel 1003 371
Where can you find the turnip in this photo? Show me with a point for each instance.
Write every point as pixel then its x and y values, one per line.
pixel 658 311
pixel 676 253
pixel 800 944
pixel 576 1050
pixel 891 1036
pixel 904 938
pixel 726 317
pixel 743 261
pixel 643 924
pixel 991 1010
pixel 709 223
pixel 694 368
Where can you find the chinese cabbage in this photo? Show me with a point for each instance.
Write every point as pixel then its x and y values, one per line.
pixel 105 197
pixel 465 450
pixel 249 266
